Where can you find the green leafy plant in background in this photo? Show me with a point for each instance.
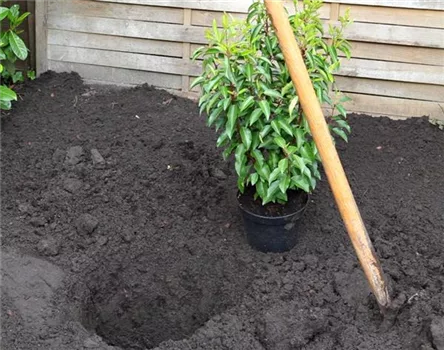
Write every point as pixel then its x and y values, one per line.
pixel 12 48
pixel 248 96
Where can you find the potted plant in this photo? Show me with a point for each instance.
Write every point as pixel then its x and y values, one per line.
pixel 248 96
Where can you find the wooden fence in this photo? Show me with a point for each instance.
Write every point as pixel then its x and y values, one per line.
pixel 397 67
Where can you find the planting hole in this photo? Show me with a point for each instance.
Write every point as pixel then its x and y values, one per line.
pixel 137 309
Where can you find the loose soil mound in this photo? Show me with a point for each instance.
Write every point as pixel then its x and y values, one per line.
pixel 125 196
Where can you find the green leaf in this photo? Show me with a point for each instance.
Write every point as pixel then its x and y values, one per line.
pixel 280 142
pixel 232 117
pixel 213 116
pixel 292 105
pixel 6 94
pixel 274 175
pixel 4 39
pixel 13 14
pixel 222 139
pixel 2 55
pixel 246 137
pixel 227 102
pixel 212 83
pixel 299 162
pixel 253 178
pixel 299 135
pixel 249 71
pixel 18 46
pixel 283 165
pixel 286 88
pixel 286 127
pixel 341 110
pixel 197 81
pixel 261 189
pixel 301 182
pixel 258 156
pixel 265 107
pixel 227 152
pixel 5 105
pixel 342 124
pixel 272 93
pixel 1 67
pixel 284 183
pixel 274 124
pixel 274 187
pixel 21 18
pixel 17 77
pixel 265 131
pixel 255 116
pixel 212 102
pixel 4 11
pixel 240 158
pixel 341 133
pixel 247 103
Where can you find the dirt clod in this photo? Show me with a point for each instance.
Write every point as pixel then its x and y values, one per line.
pixel 72 185
pixel 73 155
pixel 48 247
pixel 437 330
pixel 86 224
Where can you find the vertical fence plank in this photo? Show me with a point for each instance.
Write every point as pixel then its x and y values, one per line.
pixel 186 50
pixel 41 35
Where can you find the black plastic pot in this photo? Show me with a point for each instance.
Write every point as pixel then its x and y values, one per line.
pixel 272 234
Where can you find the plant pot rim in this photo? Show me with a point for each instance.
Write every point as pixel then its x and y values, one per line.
pixel 271 218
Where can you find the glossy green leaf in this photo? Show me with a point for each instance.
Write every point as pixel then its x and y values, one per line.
pixel 255 116
pixel 213 116
pixel 283 165
pixel 286 127
pixel 253 178
pixel 261 189
pixel 246 137
pixel 265 131
pixel 265 107
pixel 197 81
pixel 284 183
pixel 5 105
pixel 341 110
pixel 293 103
pixel 301 182
pixel 275 125
pixel 274 175
pixel 341 133
pixel 4 11
pixel 14 12
pixel 280 142
pixel 21 18
pixel 247 103
pixel 274 187
pixel 231 122
pixel 6 94
pixel 18 46
pixel 272 93
pixel 221 140
pixel 4 39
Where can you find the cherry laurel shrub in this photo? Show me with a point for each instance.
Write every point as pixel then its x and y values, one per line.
pixel 248 95
pixel 12 48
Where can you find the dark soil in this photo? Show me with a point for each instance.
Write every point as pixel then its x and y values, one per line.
pixel 121 228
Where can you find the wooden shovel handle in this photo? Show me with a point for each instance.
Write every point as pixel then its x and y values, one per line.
pixel 330 159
